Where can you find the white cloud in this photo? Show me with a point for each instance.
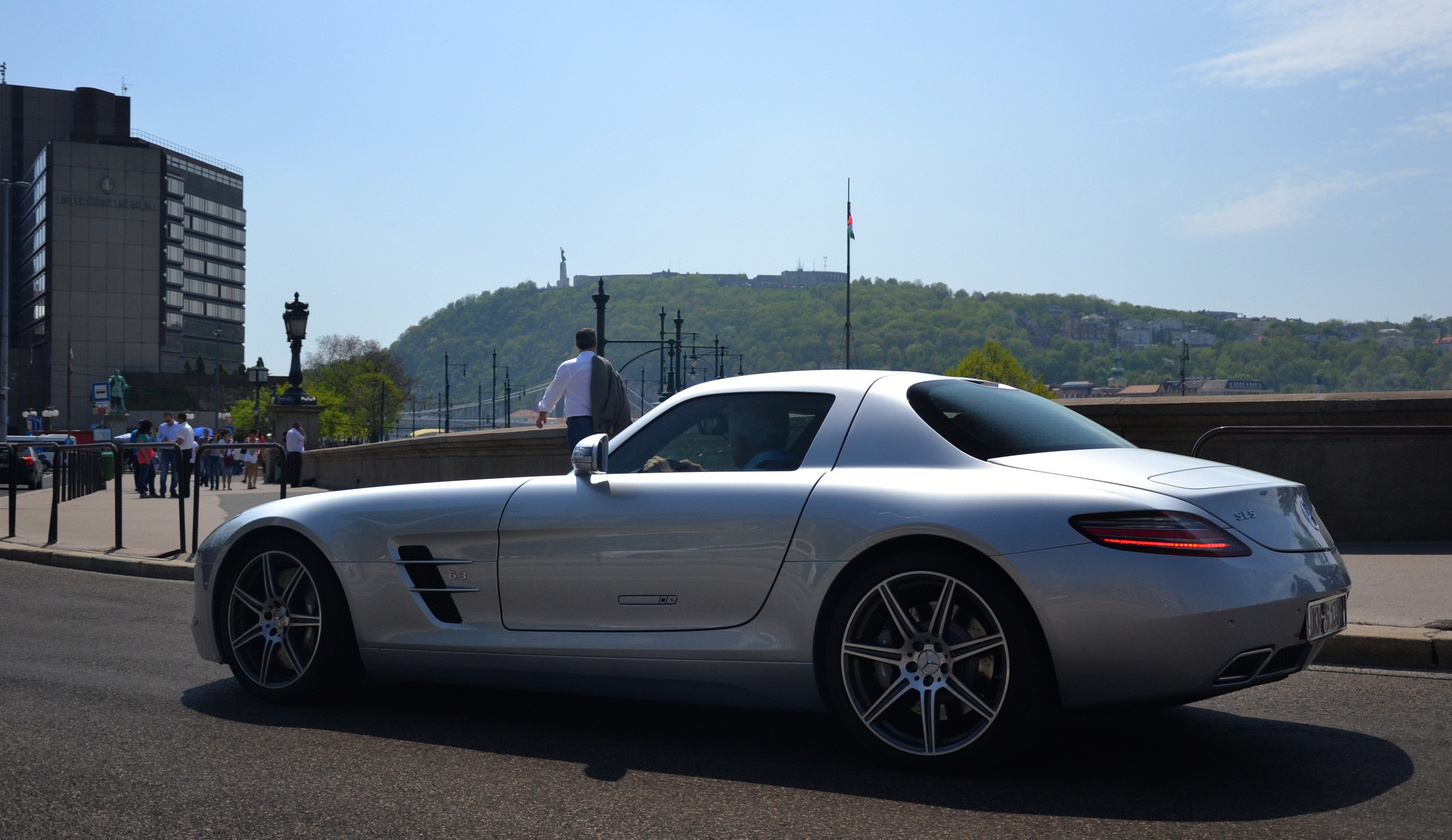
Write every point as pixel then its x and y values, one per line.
pixel 1305 39
pixel 1428 125
pixel 1283 205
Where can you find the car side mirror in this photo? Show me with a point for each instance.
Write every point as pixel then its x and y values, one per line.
pixel 591 455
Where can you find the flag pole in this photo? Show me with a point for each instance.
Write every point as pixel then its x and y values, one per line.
pixel 847 356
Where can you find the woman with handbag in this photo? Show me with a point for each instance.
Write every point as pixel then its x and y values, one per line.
pixel 145 461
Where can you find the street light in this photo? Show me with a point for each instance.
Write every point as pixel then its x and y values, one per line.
pixel 48 413
pixel 295 320
pixel 257 375
pixel 217 373
pixel 448 409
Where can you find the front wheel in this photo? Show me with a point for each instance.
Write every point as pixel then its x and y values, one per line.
pixel 288 633
pixel 935 665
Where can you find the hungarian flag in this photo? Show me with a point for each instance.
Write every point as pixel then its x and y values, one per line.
pixel 850 234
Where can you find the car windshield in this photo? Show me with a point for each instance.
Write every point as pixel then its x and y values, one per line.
pixel 726 433
pixel 987 421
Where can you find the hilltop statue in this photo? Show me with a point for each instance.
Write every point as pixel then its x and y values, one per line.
pixel 118 393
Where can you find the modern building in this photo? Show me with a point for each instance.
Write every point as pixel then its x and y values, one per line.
pixel 128 253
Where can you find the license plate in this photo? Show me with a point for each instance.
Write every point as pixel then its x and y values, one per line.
pixel 1325 617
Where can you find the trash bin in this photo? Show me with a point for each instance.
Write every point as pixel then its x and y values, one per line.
pixel 108 465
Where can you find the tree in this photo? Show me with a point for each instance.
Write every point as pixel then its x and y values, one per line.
pixel 994 363
pixel 359 384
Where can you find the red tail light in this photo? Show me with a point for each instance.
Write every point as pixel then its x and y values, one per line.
pixel 1159 532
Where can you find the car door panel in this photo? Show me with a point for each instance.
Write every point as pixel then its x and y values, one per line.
pixel 642 551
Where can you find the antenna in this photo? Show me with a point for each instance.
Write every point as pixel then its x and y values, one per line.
pixel 123 86
pixel 2 72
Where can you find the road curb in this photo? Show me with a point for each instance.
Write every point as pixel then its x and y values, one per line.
pixel 90 561
pixel 1374 646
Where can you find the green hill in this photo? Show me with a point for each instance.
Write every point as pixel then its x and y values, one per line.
pixel 908 327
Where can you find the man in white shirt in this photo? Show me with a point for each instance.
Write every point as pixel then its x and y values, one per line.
pixel 186 456
pixel 295 443
pixel 572 382
pixel 166 456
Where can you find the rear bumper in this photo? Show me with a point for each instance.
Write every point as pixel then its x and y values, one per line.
pixel 1129 628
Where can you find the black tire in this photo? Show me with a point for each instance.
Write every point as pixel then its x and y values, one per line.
pixel 977 667
pixel 285 628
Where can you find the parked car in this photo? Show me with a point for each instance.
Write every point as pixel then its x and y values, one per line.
pixel 29 470
pixel 941 563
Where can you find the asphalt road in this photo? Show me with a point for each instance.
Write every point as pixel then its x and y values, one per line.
pixel 111 726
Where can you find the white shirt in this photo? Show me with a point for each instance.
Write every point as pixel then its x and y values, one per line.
pixel 295 439
pixel 186 439
pixel 572 381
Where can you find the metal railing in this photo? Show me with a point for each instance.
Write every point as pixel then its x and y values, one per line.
pixel 65 483
pixel 197 476
pixel 1319 431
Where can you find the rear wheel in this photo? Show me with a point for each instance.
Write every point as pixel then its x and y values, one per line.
pixel 935 665
pixel 288 634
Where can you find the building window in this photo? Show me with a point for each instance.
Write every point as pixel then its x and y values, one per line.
pixel 175 185
pixel 173 276
pixel 173 298
pixel 174 253
pixel 236 215
pixel 175 232
pixel 174 320
pixel 217 229
pixel 37 286
pixel 174 209
pixel 225 312
pixel 38 313
pixel 214 249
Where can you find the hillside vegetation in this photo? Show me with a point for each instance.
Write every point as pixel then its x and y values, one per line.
pixel 901 326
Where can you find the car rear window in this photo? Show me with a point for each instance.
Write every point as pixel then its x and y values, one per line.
pixel 988 421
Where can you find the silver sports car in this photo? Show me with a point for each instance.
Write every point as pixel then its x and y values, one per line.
pixel 939 562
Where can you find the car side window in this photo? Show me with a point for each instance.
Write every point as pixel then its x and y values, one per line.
pixel 727 433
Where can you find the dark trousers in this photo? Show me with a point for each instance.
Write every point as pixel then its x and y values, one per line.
pixel 184 474
pixel 294 469
pixel 577 429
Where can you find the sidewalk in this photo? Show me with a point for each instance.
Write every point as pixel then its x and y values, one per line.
pixel 152 543
pixel 1400 606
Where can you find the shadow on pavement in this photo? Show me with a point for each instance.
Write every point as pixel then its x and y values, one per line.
pixel 1175 765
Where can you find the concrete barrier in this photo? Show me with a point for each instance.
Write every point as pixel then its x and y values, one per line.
pixel 492 453
pixel 1367 489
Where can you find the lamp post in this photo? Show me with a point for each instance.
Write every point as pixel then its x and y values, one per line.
pixel 257 375
pixel 448 409
pixel 295 320
pixel 217 376
pixel 5 185
pixel 46 414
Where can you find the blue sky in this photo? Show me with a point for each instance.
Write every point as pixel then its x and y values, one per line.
pixel 1289 158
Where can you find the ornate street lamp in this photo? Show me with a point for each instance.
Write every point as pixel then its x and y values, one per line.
pixel 257 375
pixel 295 320
pixel 50 412
pixel 448 407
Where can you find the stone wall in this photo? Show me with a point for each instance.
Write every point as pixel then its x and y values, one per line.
pixel 492 453
pixel 1367 489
